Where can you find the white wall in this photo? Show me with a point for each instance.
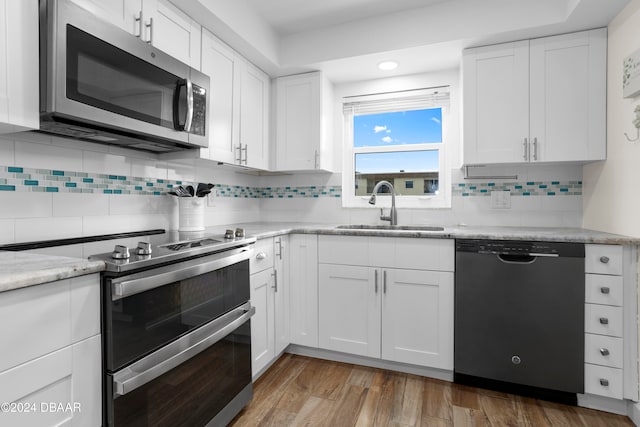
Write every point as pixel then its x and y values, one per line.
pixel 28 215
pixel 611 201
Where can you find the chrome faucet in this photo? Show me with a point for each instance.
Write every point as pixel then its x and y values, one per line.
pixel 393 214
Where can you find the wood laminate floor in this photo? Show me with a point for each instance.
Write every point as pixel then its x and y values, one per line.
pixel 302 391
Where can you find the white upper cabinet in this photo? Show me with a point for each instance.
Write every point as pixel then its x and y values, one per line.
pixel 303 122
pixel 239 107
pixel 220 63
pixel 254 117
pixel 541 100
pixel 157 22
pixel 19 60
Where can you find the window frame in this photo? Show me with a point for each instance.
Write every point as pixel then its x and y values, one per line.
pixel 440 200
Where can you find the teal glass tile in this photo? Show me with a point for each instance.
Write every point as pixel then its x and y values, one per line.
pixel 518 187
pixel 465 194
pixel 491 184
pixel 564 190
pixel 51 189
pixel 30 182
pixel 90 180
pixel 112 177
pixel 107 191
pixel 138 188
pixel 117 191
pixel 7 188
pixel 70 184
pixel 526 193
pixel 551 193
pixel 555 182
pixel 15 169
pixel 57 173
pixel 160 181
pixel 531 183
pixel 543 186
pixel 149 184
pixel 122 178
pixel 484 190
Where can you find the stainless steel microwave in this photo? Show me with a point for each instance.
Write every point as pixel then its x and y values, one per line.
pixel 101 84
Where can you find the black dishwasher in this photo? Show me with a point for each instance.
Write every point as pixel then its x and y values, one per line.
pixel 519 317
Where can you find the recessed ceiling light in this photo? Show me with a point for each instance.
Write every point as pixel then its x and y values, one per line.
pixel 388 65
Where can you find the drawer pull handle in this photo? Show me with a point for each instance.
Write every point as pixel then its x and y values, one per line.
pixel 604 289
pixel 604 259
pixel 604 321
pixel 604 351
pixel 261 255
pixel 604 382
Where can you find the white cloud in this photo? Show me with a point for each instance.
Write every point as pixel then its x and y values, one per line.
pixel 377 129
pixel 435 119
pixel 387 139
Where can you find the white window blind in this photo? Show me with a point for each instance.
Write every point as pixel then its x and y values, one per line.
pixel 397 101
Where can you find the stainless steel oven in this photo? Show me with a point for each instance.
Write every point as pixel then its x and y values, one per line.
pixel 177 334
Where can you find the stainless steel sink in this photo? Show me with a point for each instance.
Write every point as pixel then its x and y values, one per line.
pixel 391 227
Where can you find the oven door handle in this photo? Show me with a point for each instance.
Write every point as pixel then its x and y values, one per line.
pixel 124 287
pixel 158 363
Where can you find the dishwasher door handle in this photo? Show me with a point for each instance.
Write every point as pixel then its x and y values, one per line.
pixel 516 259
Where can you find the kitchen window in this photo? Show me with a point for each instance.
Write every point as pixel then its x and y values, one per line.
pixel 397 137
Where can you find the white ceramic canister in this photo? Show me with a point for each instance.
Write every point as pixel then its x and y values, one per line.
pixel 191 213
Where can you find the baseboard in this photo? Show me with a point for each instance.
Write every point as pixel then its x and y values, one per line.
pixel 335 356
pixel 602 403
pixel 634 413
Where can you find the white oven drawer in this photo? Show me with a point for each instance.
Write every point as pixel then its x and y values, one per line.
pixel 603 350
pixel 603 289
pixel 603 259
pixel 603 381
pixel 603 320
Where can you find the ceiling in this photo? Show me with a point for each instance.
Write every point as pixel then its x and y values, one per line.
pixel 348 38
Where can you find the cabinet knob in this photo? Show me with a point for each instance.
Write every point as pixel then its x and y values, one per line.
pixel 604 290
pixel 604 351
pixel 604 321
pixel 604 259
pixel 604 382
pixel 261 255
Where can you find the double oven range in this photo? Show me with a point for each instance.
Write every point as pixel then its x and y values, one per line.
pixel 176 332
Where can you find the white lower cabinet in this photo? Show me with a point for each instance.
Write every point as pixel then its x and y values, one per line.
pixel 52 375
pixel 394 314
pixel 397 314
pixel 270 297
pixel 303 286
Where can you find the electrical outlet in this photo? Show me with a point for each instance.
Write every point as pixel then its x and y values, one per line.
pixel 500 200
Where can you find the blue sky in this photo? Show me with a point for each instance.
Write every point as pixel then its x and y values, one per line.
pixel 398 128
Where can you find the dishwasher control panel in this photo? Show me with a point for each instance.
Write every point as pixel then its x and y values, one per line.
pixel 520 247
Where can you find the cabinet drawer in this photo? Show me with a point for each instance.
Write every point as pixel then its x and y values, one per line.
pixel 603 289
pixel 603 320
pixel 603 350
pixel 603 381
pixel 603 259
pixel 262 257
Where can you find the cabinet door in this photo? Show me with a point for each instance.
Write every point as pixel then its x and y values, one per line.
pixel 262 322
pixel 19 66
pixel 123 13
pixel 496 103
pixel 349 313
pixel 417 317
pixel 298 112
pixel 281 279
pixel 220 63
pixel 568 97
pixel 172 31
pixel 303 287
pixel 254 117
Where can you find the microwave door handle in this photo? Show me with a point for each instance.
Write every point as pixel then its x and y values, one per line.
pixel 189 119
pixel 167 358
pixel 177 124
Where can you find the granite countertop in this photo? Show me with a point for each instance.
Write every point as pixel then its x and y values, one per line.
pixel 21 269
pixel 263 230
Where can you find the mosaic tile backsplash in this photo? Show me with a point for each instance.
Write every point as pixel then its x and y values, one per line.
pixel 15 178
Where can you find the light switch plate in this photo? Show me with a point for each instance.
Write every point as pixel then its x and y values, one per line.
pixel 500 200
